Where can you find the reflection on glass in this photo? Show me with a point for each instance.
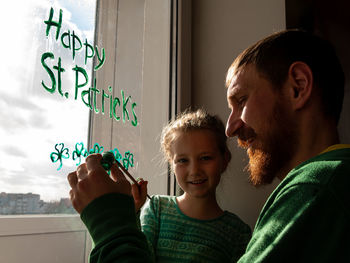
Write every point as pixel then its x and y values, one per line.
pixel 33 118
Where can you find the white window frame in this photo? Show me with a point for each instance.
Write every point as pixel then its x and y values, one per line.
pixel 44 238
pixel 158 73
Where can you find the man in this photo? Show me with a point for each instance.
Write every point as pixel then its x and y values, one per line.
pixel 285 94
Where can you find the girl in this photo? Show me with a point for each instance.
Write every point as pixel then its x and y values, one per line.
pixel 192 227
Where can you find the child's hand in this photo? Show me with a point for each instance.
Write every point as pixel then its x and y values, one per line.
pixel 139 192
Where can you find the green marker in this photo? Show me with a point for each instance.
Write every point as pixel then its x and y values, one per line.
pixel 108 160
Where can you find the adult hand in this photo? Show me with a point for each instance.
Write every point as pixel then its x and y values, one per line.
pixel 91 181
pixel 139 192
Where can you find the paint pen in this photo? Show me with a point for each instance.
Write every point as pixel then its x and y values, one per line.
pixel 108 160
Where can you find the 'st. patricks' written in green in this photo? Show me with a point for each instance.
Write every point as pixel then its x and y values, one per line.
pixel 120 108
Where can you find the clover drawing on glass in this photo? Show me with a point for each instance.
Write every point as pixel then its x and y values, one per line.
pixel 61 153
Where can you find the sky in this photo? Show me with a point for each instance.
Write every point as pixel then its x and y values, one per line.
pixel 32 120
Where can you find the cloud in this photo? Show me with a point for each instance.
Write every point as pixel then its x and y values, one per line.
pixel 15 151
pixel 11 123
pixel 19 114
pixel 39 120
pixel 81 12
pixel 16 100
pixel 32 119
pixel 36 175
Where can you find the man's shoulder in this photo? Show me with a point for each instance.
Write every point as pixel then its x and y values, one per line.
pixel 324 176
pixel 323 169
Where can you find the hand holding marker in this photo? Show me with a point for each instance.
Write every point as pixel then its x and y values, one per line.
pixel 108 160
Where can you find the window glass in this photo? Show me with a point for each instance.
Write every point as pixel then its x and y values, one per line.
pixel 136 77
pixel 44 119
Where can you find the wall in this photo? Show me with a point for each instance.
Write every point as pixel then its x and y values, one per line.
pixel 332 23
pixel 221 29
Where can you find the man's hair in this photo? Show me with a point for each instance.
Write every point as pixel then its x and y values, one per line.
pixel 273 55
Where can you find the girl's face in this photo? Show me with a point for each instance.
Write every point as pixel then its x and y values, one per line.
pixel 197 162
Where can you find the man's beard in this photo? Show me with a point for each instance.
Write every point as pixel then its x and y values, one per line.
pixel 273 148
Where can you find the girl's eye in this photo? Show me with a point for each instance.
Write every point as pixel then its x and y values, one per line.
pixel 206 158
pixel 181 160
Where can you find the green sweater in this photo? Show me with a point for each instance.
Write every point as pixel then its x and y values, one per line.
pixel 175 237
pixel 307 217
pixel 112 224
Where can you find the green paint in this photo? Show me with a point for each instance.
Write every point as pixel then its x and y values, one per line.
pixel 128 160
pixel 78 70
pixel 52 76
pixel 100 60
pixel 66 35
pixel 134 122
pixel 110 103
pixel 90 96
pixel 83 95
pixel 94 95
pixel 125 102
pixel 96 149
pixel 74 48
pixel 62 153
pixel 59 71
pixel 115 102
pixel 117 154
pixel 104 95
pixel 72 41
pixel 78 152
pixel 87 48
pixel 51 23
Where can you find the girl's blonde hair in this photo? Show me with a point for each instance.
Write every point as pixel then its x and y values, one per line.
pixel 189 121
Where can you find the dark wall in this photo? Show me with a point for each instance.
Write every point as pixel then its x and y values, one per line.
pixel 330 20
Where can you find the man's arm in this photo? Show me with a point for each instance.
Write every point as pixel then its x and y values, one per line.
pixel 302 224
pixel 107 209
pixel 111 222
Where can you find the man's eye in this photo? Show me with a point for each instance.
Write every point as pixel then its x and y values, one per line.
pixel 242 100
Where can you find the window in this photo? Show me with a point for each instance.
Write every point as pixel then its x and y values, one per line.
pixel 40 118
pixel 132 64
pixel 138 68
pixel 61 75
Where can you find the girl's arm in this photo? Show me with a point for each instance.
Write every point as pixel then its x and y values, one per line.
pixel 139 193
pixel 150 223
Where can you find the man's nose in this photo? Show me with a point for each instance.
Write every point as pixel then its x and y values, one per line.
pixel 234 123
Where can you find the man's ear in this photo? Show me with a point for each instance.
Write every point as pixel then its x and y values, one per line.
pixel 300 81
